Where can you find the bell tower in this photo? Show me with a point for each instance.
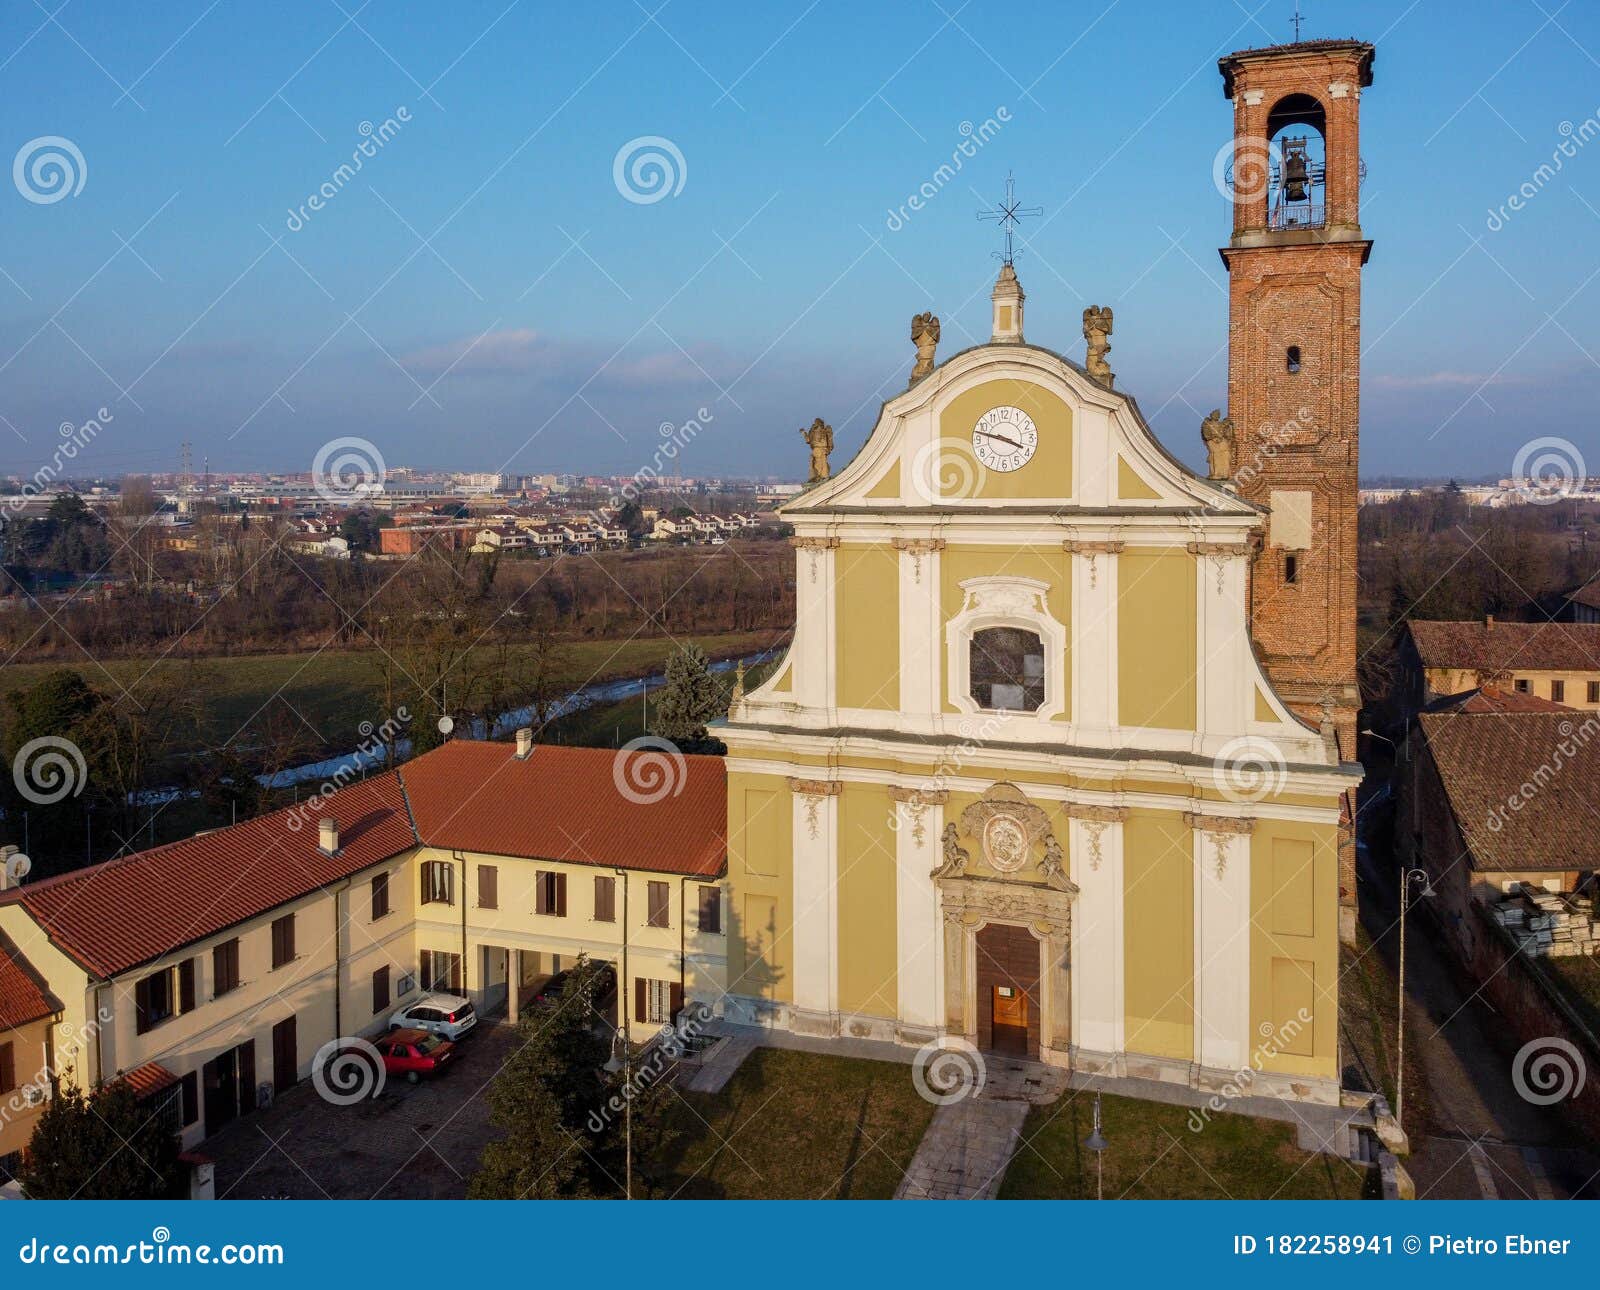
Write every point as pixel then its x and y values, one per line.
pixel 1294 370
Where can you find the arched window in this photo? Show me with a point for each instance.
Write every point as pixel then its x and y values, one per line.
pixel 1297 127
pixel 1291 360
pixel 1006 671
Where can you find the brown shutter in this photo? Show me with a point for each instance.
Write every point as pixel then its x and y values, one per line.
pixel 675 1000
pixel 285 1055
pixel 640 999
pixel 541 893
pixel 141 1006
pixel 561 895
pixel 186 986
pixel 455 973
pixel 605 900
pixel 247 1075
pixel 380 895
pixel 488 887
pixel 8 1068
pixel 191 1098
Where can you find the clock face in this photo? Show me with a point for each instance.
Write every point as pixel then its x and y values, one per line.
pixel 1004 439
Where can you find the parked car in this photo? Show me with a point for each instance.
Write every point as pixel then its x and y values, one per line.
pixel 446 1015
pixel 414 1053
pixel 605 985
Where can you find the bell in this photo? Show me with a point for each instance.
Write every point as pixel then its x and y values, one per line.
pixel 1295 177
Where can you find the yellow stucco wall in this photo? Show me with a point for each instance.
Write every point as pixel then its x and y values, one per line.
pixel 1294 947
pixel 1130 487
pixel 1047 475
pixel 1156 642
pixel 867 600
pixel 1050 566
pixel 866 902
pixel 1158 934
pixel 761 886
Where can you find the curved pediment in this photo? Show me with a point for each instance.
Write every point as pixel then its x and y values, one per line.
pixel 1011 426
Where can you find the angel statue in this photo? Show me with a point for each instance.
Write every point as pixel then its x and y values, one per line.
pixel 953 863
pixel 820 440
pixel 1097 331
pixel 1217 431
pixel 925 336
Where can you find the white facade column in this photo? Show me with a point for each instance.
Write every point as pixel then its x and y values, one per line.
pixel 813 648
pixel 1224 703
pixel 921 627
pixel 1093 658
pixel 1099 1013
pixel 1221 941
pixel 815 921
pixel 919 816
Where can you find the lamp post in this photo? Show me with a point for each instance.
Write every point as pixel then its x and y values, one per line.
pixel 1096 1142
pixel 1407 877
pixel 622 1060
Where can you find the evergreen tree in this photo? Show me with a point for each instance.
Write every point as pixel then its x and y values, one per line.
pixel 105 1145
pixel 691 697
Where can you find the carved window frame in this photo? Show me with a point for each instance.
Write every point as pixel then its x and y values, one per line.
pixel 1001 601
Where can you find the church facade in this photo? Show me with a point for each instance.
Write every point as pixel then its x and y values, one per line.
pixel 1023 780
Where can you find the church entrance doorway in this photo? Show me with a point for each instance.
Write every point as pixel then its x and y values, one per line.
pixel 1008 990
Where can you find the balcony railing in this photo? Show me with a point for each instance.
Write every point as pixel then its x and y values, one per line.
pixel 1299 216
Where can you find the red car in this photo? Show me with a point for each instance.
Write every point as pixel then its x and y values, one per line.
pixel 414 1053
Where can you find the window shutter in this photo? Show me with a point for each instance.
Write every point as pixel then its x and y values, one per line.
pixel 8 1068
pixel 191 1098
pixel 488 887
pixel 561 895
pixel 247 1075
pixel 455 973
pixel 541 893
pixel 676 996
pixel 641 1000
pixel 380 989
pixel 141 1006
pixel 380 895
pixel 186 986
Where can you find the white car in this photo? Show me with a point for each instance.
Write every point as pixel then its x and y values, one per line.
pixel 448 1015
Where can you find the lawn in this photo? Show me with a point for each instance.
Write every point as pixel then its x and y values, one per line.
pixel 1578 978
pixel 794 1125
pixel 1154 1155
pixel 337 690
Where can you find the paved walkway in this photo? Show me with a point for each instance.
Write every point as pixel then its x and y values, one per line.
pixel 713 1075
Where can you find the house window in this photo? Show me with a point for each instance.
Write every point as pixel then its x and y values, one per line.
pixel 282 940
pixel 190 1084
pixel 488 887
pixel 225 968
pixel 1291 569
pixel 380 989
pixel 710 909
pixel 550 894
pixel 1291 360
pixel 440 970
pixel 8 1067
pixel 1558 691
pixel 659 903
pixel 1594 691
pixel 605 900
pixel 152 1000
pixel 380 896
pixel 1523 685
pixel 438 882
pixel 1006 669
pixel 656 1002
pixel 186 985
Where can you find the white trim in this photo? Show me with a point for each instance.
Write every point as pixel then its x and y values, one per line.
pixel 1001 601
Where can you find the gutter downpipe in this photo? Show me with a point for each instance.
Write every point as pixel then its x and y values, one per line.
pixel 625 985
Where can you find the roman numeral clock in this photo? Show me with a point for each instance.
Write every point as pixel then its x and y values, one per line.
pixel 1004 439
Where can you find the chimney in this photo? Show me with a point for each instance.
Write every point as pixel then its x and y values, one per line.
pixel 1488 620
pixel 328 835
pixel 524 743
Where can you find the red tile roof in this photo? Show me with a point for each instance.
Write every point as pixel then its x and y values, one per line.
pixel 1588 594
pixel 1493 699
pixel 149 1079
pixel 1501 647
pixel 117 915
pixel 22 996
pixel 1523 787
pixel 568 804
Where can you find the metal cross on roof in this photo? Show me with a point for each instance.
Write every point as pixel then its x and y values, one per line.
pixel 1297 20
pixel 1006 213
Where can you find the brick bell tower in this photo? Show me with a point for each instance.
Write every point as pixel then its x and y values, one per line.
pixel 1294 371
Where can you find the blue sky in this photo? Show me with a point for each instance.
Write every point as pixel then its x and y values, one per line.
pixel 481 295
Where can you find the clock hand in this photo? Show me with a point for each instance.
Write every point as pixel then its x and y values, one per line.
pixel 990 434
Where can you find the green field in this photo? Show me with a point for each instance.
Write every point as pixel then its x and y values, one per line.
pixel 334 691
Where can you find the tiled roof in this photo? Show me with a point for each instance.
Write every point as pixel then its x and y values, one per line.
pixel 1508 647
pixel 1493 699
pixel 149 1079
pixel 116 915
pixel 568 804
pixel 22 996
pixel 1524 787
pixel 1588 594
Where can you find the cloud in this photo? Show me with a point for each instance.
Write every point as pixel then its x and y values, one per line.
pixel 525 351
pixel 1446 380
pixel 515 350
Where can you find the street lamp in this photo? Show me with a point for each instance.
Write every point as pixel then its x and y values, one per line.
pixel 622 1061
pixel 1407 877
pixel 1096 1142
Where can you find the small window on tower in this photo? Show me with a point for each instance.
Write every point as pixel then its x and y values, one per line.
pixel 1291 360
pixel 1291 569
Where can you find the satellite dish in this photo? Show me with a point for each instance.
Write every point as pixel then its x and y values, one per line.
pixel 18 866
